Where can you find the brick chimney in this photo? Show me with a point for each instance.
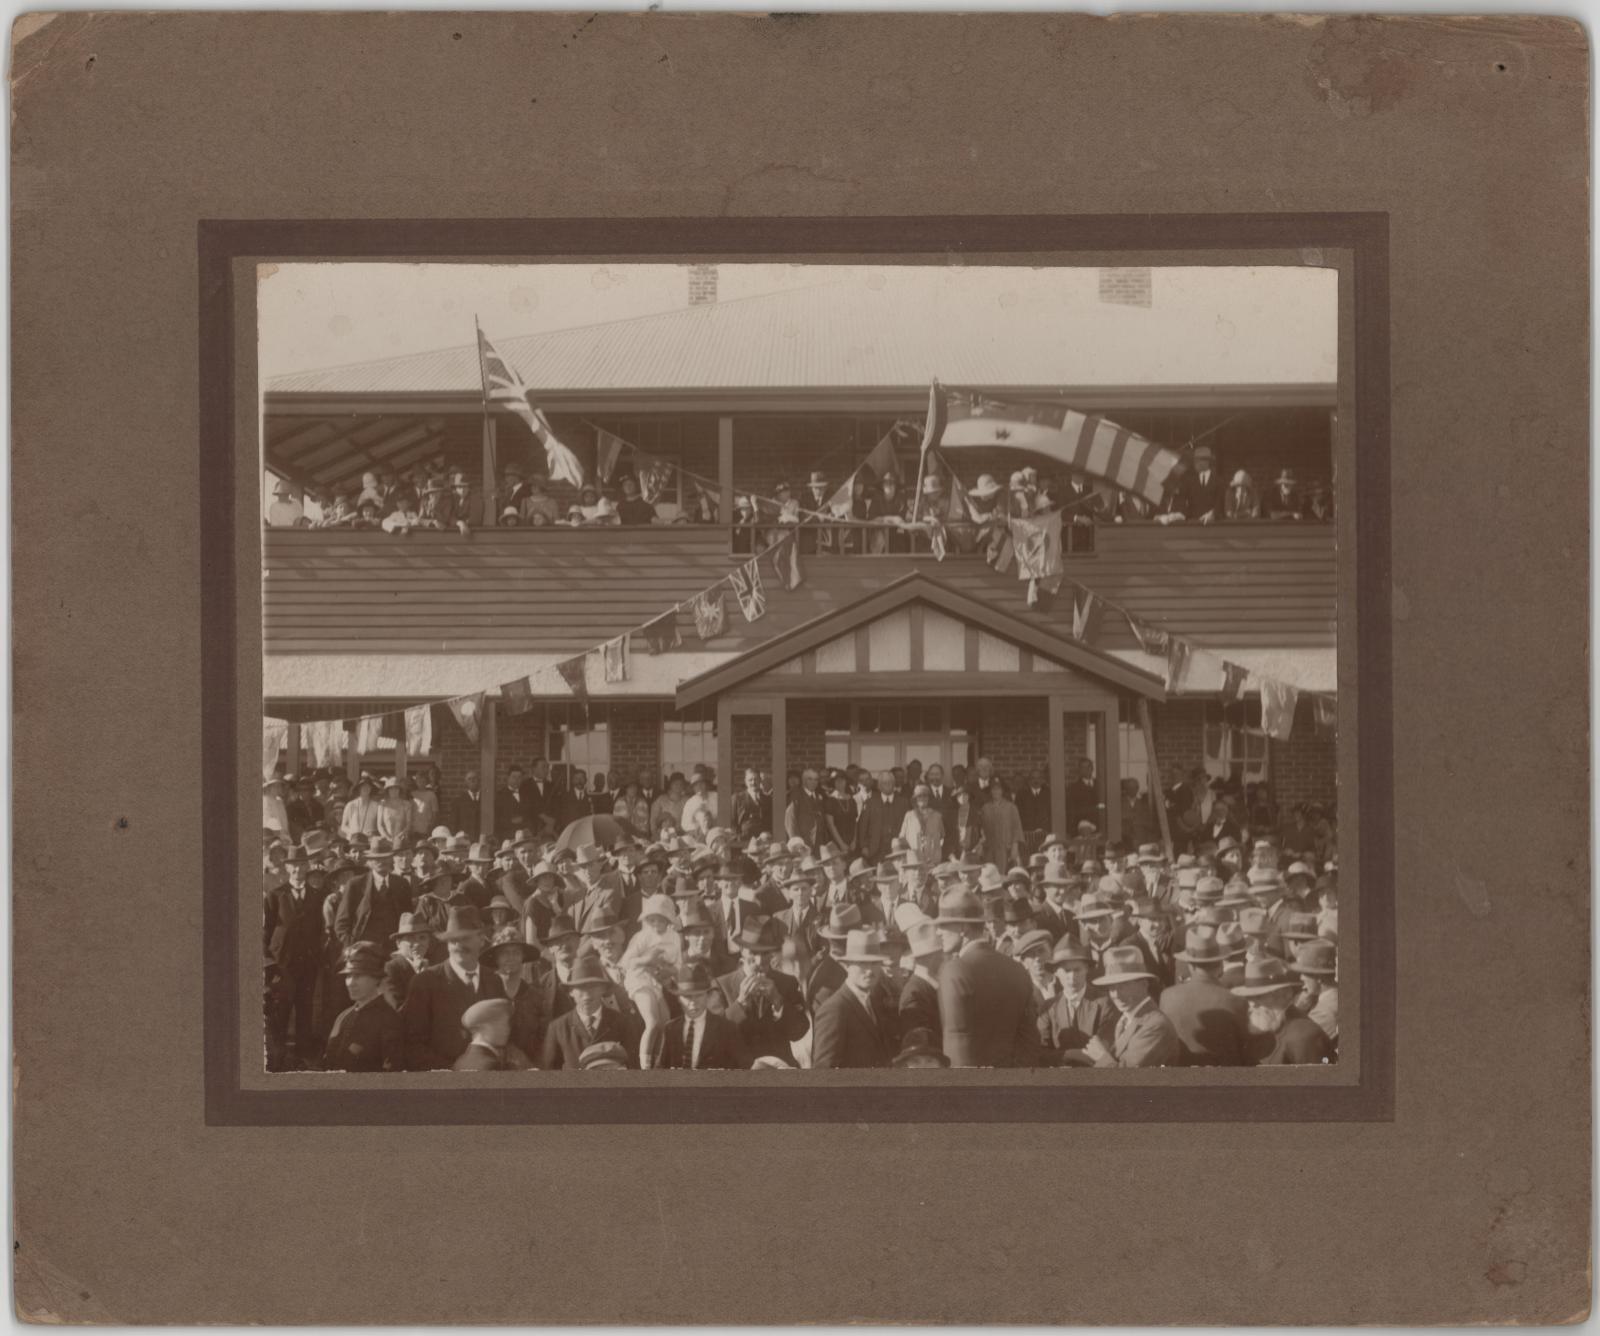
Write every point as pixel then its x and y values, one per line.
pixel 702 284
pixel 1125 287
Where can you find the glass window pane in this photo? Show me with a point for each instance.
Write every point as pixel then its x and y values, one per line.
pixel 877 756
pixel 836 716
pixel 836 752
pixel 964 716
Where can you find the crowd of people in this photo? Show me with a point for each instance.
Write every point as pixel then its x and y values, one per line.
pixel 893 920
pixel 875 517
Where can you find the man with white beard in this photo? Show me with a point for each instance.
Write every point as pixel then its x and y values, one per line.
pixel 1278 1034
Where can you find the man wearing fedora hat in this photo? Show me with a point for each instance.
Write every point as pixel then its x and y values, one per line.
pixel 985 1000
pixel 590 1021
pixel 415 947
pixel 700 1039
pixel 1278 1035
pixel 1143 1037
pixel 370 907
pixel 368 1035
pixel 1316 962
pixel 825 974
pixel 1284 501
pixel 294 939
pixel 920 1049
pixel 440 994
pixel 490 1047
pixel 803 817
pixel 854 1027
pixel 766 1005
pixel 1209 1020
pixel 919 995
pixel 1079 1012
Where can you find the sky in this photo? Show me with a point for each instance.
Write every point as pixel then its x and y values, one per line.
pixel 316 316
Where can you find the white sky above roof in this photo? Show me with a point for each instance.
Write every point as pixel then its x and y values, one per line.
pixel 1204 325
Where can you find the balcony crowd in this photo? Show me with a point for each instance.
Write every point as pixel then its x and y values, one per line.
pixel 428 497
pixel 906 919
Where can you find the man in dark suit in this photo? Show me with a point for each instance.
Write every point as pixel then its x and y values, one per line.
pixel 985 1000
pixel 803 818
pixel 590 1021
pixel 700 1039
pixel 466 812
pixel 541 799
pixel 368 1035
pixel 508 809
pixel 295 941
pixel 1211 1022
pixel 752 809
pixel 1078 1013
pixel 882 815
pixel 919 997
pixel 1199 498
pixel 440 995
pixel 764 1004
pixel 1033 806
pixel 370 907
pixel 856 1027
pixel 1083 798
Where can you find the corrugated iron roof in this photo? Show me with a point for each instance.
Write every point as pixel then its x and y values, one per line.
pixel 1216 328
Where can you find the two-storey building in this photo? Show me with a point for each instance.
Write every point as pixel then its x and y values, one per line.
pixel 874 658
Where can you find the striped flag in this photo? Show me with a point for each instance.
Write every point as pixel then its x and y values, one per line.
pixel 608 450
pixel 748 589
pixel 1278 700
pixel 616 656
pixel 1087 443
pixel 1233 676
pixel 786 562
pixel 516 697
pixel 933 425
pixel 1177 661
pixel 503 388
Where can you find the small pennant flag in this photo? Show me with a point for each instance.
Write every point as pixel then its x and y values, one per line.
pixel 1178 651
pixel 369 734
pixel 881 460
pixel 503 388
pixel 1233 676
pixel 394 727
pixel 517 696
pixel 1325 714
pixel 1038 546
pixel 572 673
pixel 467 710
pixel 608 450
pixel 325 740
pixel 786 562
pixel 615 654
pixel 655 475
pixel 274 738
pixel 419 730
pixel 662 634
pixel 1152 639
pixel 710 618
pixel 937 541
pixel 747 586
pixel 1001 550
pixel 1087 608
pixel 1277 708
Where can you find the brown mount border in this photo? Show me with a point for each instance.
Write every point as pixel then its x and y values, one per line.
pixel 222 241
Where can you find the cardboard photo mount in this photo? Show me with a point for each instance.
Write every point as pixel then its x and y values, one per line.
pixel 1402 1187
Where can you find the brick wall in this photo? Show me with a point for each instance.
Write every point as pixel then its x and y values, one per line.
pixel 804 734
pixel 1305 768
pixel 1179 729
pixel 1015 735
pixel 1125 287
pixel 752 746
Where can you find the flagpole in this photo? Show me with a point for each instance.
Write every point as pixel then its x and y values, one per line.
pixel 489 517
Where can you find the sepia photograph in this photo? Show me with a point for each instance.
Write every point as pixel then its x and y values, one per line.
pixel 795 667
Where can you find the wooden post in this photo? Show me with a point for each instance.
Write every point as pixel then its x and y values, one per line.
pixel 400 759
pixel 293 745
pixel 488 785
pixel 1111 768
pixel 725 476
pixel 1058 769
pixel 352 758
pixel 780 764
pixel 727 786
pixel 1158 799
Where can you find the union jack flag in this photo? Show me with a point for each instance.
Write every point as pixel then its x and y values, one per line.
pixel 748 588
pixel 503 388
